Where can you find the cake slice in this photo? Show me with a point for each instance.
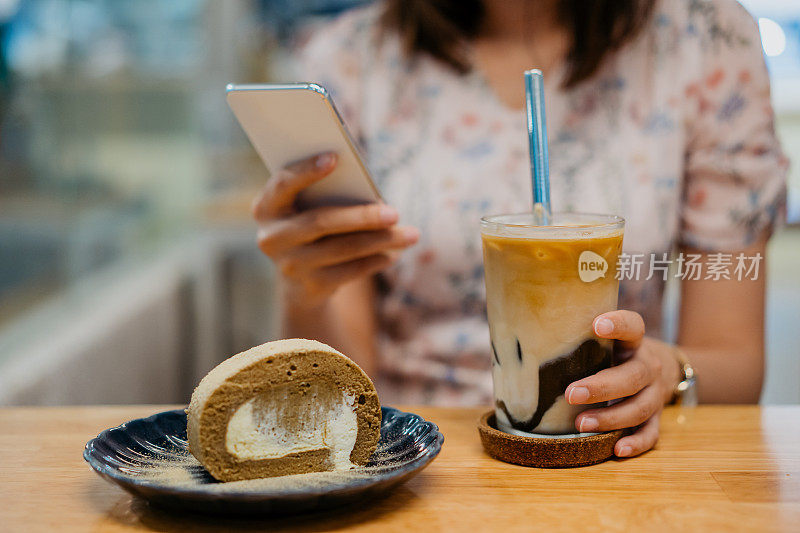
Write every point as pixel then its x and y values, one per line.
pixel 286 407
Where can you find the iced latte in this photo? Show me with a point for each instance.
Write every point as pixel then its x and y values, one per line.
pixel 544 287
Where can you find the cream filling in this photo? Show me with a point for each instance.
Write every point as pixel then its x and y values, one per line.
pixel 271 429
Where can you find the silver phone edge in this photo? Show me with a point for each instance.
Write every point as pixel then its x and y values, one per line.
pixel 319 89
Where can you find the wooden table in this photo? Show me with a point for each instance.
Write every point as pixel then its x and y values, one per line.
pixel 715 469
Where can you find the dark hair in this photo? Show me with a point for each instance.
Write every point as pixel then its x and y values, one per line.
pixel 442 27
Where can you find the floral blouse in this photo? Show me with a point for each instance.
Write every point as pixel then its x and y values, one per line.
pixel 674 133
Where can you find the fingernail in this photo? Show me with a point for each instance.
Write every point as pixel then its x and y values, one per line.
pixel 625 451
pixel 324 160
pixel 604 326
pixel 588 424
pixel 410 234
pixel 388 214
pixel 578 395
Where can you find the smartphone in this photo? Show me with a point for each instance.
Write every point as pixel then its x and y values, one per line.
pixel 292 121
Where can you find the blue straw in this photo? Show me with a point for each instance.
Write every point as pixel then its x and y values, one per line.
pixel 537 137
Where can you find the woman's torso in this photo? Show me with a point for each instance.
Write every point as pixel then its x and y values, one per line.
pixel 445 152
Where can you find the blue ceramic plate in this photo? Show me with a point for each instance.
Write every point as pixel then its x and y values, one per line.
pixel 149 457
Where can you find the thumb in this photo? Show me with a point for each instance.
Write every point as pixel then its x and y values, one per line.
pixel 625 326
pixel 282 189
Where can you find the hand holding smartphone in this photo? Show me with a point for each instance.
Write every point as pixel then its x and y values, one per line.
pixel 290 122
pixel 321 218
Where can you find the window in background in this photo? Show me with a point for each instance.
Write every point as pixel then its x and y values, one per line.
pixel 779 25
pixel 111 119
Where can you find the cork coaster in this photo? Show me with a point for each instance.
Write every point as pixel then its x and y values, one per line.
pixel 545 452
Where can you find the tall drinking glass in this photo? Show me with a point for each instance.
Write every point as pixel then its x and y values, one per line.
pixel 544 287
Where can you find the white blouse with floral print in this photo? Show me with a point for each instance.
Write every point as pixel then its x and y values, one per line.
pixel 674 133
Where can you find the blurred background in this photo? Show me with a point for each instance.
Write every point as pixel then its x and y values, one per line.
pixel 128 265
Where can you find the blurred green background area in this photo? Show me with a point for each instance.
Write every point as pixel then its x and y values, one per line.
pixel 127 258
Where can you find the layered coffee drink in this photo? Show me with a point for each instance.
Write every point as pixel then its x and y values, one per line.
pixel 544 287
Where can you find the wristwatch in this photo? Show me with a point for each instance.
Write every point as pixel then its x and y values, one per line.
pixel 685 393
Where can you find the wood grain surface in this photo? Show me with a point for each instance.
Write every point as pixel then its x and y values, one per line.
pixel 714 469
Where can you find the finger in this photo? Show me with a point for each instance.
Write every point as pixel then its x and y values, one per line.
pixel 314 224
pixel 348 247
pixel 626 326
pixel 641 441
pixel 280 192
pixel 628 413
pixel 611 383
pixel 339 274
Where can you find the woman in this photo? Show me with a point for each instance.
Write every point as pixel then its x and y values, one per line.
pixel 657 111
